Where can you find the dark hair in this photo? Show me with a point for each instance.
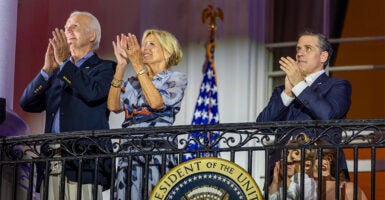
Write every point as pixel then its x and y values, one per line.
pixel 331 153
pixel 323 44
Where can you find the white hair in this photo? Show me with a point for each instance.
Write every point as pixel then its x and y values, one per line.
pixel 94 26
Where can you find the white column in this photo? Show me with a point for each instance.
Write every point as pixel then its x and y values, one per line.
pixel 13 124
pixel 8 24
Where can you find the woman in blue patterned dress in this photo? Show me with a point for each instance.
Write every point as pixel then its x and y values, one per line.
pixel 152 97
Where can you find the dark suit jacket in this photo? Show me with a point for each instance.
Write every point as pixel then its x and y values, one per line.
pixel 326 99
pixel 81 93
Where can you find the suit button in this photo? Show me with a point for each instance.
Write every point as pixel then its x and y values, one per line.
pixel 53 114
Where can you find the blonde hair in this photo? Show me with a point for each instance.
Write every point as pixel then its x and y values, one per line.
pixel 169 43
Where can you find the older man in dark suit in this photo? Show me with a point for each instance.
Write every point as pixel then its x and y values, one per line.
pixel 72 88
pixel 308 93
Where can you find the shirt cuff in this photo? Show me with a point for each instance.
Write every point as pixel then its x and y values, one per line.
pixel 45 75
pixel 297 89
pixel 286 99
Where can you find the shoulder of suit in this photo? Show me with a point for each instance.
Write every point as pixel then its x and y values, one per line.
pixel 95 60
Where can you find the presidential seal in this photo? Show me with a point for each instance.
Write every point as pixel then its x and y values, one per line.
pixel 209 179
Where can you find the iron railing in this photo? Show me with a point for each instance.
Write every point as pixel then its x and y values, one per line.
pixel 248 144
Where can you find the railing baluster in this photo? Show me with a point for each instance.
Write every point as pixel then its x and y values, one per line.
pixel 30 181
pixel 373 173
pixel 79 175
pixel 95 185
pixel 62 179
pixel 113 175
pixel 355 172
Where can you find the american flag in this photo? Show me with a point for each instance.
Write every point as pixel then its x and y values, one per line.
pixel 206 111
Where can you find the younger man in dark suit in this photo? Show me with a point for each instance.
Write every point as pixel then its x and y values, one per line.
pixel 308 93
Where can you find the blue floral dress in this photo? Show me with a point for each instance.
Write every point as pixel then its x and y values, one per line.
pixel 171 86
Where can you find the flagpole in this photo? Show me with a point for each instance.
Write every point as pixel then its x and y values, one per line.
pixel 210 14
pixel 206 107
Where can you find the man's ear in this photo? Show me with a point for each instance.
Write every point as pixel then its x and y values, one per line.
pixel 324 56
pixel 93 36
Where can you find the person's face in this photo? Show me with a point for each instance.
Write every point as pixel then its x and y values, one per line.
pixel 293 162
pixel 152 51
pixel 309 57
pixel 326 166
pixel 77 31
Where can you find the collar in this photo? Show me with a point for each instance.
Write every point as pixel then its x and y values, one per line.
pixel 312 77
pixel 82 60
pixel 162 75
